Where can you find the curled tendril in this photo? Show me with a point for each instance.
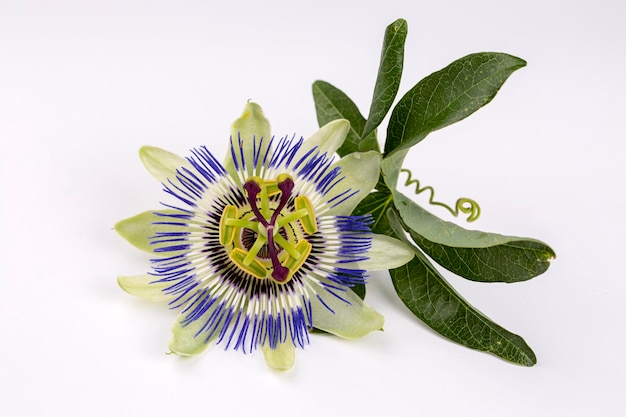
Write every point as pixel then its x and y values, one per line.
pixel 463 205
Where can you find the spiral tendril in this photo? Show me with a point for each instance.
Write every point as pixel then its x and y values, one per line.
pixel 463 205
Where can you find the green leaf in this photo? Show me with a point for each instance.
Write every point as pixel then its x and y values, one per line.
pixel 389 74
pixel 360 290
pixel 447 96
pixel 472 254
pixel 433 300
pixel 376 204
pixel 331 104
pixel 475 255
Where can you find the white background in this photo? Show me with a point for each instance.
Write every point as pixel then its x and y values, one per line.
pixel 83 84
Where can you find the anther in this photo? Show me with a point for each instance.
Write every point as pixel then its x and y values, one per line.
pixel 254 268
pixel 308 222
pixel 227 232
pixel 294 263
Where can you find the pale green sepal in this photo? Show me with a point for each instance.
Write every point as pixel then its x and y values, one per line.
pixel 138 229
pixel 327 139
pixel 250 126
pixel 386 253
pixel 282 357
pixel 162 164
pixel 144 286
pixel 360 171
pixel 349 321
pixel 184 341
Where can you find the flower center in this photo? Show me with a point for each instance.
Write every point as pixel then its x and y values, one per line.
pixel 249 238
pixel 266 241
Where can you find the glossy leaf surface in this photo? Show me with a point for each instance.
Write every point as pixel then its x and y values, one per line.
pixel 472 254
pixel 389 75
pixel 447 96
pixel 330 104
pixel 433 300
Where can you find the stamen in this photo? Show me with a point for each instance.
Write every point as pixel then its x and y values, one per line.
pixel 227 231
pixel 308 222
pixel 294 215
pixel 284 243
pixel 254 268
pixel 254 250
pixel 294 263
pixel 254 226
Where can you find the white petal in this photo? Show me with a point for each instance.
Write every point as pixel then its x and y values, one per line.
pixel 140 286
pixel 361 171
pixel 386 253
pixel 327 139
pixel 138 230
pixel 185 340
pixel 349 321
pixel 161 163
pixel 251 126
pixel 282 357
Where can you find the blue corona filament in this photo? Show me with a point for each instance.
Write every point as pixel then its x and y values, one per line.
pixel 245 257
